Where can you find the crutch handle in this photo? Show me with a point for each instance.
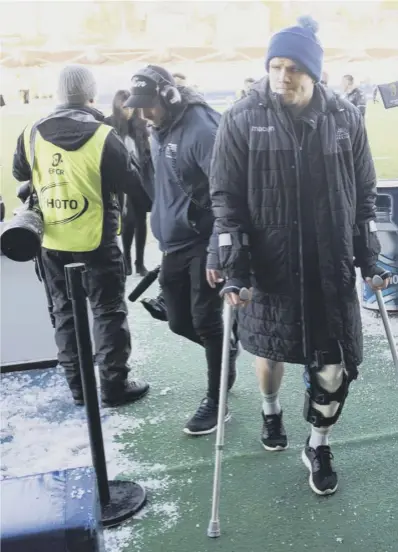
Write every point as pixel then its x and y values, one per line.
pixel 378 279
pixel 244 294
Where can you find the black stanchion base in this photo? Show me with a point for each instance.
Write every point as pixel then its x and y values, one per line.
pixel 127 498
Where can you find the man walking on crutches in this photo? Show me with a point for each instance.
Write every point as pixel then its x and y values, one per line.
pixel 293 191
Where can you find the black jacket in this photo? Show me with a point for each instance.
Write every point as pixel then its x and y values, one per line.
pixel 117 172
pixel 181 152
pixel 357 97
pixel 255 187
pixel 136 129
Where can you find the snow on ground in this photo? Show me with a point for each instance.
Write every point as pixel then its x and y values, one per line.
pixel 41 432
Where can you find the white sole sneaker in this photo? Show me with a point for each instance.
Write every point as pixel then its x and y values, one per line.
pixel 307 463
pixel 274 449
pixel 187 431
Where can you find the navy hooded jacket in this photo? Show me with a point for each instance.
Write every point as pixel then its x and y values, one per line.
pixel 181 153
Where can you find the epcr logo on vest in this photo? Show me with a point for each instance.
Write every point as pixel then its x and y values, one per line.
pixel 57 159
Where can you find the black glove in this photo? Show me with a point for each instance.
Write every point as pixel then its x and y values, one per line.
pixel 213 262
pixel 24 191
pixel 213 259
pixel 372 270
pixel 156 307
pixel 234 285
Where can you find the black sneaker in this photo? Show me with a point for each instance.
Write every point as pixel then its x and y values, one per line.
pixel 79 401
pixel 323 479
pixel 129 392
pixel 233 355
pixel 273 436
pixel 156 307
pixel 204 421
pixel 77 395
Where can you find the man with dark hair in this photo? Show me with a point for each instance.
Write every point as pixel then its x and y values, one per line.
pixel 353 93
pixel 183 132
pixel 293 190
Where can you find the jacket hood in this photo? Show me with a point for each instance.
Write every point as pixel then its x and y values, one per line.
pixel 190 99
pixel 261 92
pixel 70 127
pixel 189 96
pixel 96 113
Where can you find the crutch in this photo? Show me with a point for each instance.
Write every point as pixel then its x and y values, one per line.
pixel 378 281
pixel 214 524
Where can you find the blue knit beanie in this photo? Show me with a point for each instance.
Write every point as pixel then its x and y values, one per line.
pixel 299 44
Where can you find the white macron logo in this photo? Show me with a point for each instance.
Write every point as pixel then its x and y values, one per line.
pixel 138 83
pixel 262 129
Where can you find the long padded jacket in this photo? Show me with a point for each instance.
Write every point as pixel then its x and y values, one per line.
pixel 255 191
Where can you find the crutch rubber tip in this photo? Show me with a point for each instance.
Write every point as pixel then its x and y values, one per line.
pixel 213 530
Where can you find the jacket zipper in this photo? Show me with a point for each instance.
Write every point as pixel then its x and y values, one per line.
pixel 297 157
pixel 156 168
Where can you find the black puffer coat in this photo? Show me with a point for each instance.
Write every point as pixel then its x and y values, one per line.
pixel 255 189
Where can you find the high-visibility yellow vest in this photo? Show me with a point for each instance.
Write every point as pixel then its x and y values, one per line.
pixel 69 189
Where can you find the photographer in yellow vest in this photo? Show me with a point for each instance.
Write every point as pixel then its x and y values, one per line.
pixel 78 166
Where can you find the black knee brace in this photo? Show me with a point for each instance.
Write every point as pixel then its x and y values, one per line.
pixel 316 394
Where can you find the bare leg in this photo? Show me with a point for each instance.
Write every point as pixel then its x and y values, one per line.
pixel 269 376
